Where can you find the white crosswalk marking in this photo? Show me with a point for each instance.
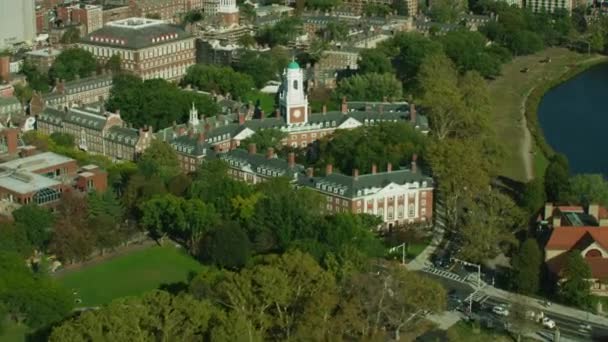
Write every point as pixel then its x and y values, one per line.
pixel 444 274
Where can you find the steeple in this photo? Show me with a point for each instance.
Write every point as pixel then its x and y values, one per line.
pixel 193 121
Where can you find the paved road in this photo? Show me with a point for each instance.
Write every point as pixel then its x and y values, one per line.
pixel 569 327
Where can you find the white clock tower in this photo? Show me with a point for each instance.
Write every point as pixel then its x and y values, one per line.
pixel 293 100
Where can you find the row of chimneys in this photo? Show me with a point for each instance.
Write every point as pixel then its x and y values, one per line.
pixel 291 157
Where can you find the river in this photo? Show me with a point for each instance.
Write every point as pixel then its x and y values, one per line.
pixel 574 119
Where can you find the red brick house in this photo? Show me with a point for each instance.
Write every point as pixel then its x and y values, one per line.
pixel 586 231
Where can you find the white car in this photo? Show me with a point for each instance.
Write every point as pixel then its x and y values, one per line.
pixel 500 310
pixel 548 323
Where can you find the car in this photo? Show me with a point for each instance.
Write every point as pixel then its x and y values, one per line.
pixel 548 323
pixel 584 327
pixel 500 310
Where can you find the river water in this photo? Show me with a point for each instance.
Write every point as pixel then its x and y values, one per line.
pixel 574 119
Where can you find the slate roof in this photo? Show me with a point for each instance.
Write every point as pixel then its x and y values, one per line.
pixel 259 163
pixel 349 186
pixel 123 135
pixel 135 38
pixel 85 118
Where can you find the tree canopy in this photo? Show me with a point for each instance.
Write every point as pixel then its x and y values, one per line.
pixel 221 80
pixel 71 63
pixel 370 87
pixel 156 103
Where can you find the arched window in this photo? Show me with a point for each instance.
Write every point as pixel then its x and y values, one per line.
pixel 295 84
pixel 593 253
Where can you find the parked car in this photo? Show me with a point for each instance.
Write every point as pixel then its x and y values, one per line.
pixel 500 310
pixel 548 323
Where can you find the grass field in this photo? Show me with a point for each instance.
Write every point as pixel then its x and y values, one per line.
pixel 130 274
pixel 13 332
pixel 507 93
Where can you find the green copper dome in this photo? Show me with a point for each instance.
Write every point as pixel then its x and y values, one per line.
pixel 293 65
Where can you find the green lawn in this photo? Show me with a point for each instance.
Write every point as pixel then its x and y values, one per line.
pixel 130 274
pixel 507 93
pixel 266 101
pixel 13 332
pixel 464 331
pixel 416 248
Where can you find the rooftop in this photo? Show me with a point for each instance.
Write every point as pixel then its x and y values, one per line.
pixel 135 33
pixel 23 182
pixel 36 162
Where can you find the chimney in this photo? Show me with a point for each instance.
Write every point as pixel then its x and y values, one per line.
pixel 374 169
pixel 414 165
pixel 356 174
pixel 277 113
pixel 594 210
pixel 412 113
pixel 324 109
pixel 252 148
pixel 291 160
pixel 329 169
pixel 190 133
pixel 207 127
pixel 201 137
pixel 262 115
pixel 344 106
pixel 548 211
pixel 182 131
pixel 310 172
pixel 241 119
pixel 389 167
pixel 270 153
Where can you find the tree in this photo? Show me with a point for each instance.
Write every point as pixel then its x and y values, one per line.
pixel 334 31
pixel 37 222
pixel 533 197
pixel 362 147
pixel 374 61
pixel 258 65
pixel 227 246
pixel 588 189
pixel 410 50
pixel 35 79
pixel 13 238
pixel 71 36
pixel 526 268
pixel 468 51
pixel 557 178
pixel 114 64
pixel 265 139
pixel 438 81
pixel 33 299
pixel 200 219
pixel 523 42
pixel 156 102
pixel 323 5
pixel 461 172
pixel 370 87
pixel 282 33
pixel 221 80
pixel 157 315
pixel 489 225
pixel 281 297
pixel 246 41
pixel 72 240
pixel 105 217
pixel 162 215
pixel 376 10
pixel 575 289
pixel 159 159
pixel 71 63
pixel 392 298
pixel 63 139
pixel 193 16
pixel 446 11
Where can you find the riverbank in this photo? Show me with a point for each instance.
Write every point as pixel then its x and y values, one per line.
pixel 536 95
pixel 511 96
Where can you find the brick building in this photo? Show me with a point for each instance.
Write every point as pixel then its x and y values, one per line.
pixel 114 13
pixel 585 230
pixel 42 59
pixel 398 197
pixel 96 131
pixel 163 9
pixel 65 94
pixel 224 132
pixel 90 16
pixel 148 48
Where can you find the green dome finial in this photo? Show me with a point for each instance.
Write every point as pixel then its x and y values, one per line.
pixel 293 64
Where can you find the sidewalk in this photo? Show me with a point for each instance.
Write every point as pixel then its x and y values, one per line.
pixel 422 259
pixel 554 308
